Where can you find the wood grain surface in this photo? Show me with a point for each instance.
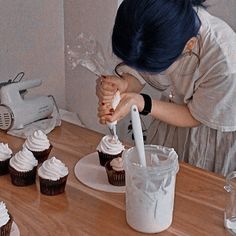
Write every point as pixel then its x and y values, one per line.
pixel 198 210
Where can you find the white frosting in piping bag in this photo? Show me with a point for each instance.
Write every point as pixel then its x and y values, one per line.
pixel 114 104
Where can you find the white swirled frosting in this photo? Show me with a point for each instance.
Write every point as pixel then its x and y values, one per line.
pixel 37 142
pixel 117 164
pixel 110 146
pixel 52 169
pixel 23 160
pixel 4 216
pixel 5 152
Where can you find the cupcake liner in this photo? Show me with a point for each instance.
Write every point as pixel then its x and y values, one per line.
pixel 5 230
pixel 4 167
pixel 42 155
pixel 116 178
pixel 51 187
pixel 104 157
pixel 19 178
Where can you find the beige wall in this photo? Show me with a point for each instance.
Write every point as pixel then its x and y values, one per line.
pixel 32 40
pixel 224 9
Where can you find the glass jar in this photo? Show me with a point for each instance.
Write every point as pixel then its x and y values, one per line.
pixel 230 208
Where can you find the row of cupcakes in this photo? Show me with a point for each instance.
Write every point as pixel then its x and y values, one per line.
pixel 110 156
pixel 23 165
pixel 38 143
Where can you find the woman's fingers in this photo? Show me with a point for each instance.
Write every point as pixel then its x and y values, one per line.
pixel 104 112
pixel 105 90
pixel 107 114
pixel 127 100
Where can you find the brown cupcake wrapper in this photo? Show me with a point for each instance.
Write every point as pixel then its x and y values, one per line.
pixel 22 178
pixel 116 178
pixel 5 230
pixel 104 157
pixel 43 155
pixel 51 187
pixel 4 167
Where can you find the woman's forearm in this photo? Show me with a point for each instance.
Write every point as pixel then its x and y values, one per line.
pixel 173 114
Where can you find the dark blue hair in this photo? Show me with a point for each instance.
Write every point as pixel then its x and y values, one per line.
pixel 149 35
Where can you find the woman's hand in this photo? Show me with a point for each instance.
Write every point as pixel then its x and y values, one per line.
pixel 107 86
pixel 107 114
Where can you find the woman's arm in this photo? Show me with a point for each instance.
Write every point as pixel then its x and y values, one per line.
pixel 171 113
pixel 129 86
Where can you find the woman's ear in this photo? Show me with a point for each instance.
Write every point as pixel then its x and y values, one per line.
pixel 190 44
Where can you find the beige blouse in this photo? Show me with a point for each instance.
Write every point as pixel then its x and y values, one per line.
pixel 207 85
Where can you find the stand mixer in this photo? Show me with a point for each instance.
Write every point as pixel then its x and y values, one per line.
pixel 17 111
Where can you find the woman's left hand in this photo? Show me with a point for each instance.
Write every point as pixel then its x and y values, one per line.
pixel 127 100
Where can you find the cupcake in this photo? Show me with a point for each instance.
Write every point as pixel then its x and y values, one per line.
pixel 52 176
pixel 5 155
pixel 108 149
pixel 39 145
pixel 22 167
pixel 5 220
pixel 115 171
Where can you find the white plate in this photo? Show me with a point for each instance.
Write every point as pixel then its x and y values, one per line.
pixel 89 171
pixel 14 230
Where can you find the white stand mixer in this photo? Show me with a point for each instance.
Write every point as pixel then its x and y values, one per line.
pixel 17 111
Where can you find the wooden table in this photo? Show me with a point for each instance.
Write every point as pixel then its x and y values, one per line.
pixel 199 200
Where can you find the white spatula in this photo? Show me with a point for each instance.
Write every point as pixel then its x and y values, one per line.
pixel 138 134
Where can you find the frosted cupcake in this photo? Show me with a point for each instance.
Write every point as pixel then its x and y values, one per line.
pixel 108 149
pixel 39 145
pixel 115 171
pixel 5 220
pixel 5 155
pixel 52 176
pixel 22 167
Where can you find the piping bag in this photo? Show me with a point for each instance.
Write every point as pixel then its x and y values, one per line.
pixel 87 52
pixel 112 125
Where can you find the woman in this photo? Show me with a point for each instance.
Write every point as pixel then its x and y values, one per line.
pixel 177 47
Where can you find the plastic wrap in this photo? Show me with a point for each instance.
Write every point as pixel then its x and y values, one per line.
pixel 87 52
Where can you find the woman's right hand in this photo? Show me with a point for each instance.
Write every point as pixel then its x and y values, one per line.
pixel 107 114
pixel 107 86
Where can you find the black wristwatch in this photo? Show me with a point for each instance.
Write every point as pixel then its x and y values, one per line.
pixel 147 104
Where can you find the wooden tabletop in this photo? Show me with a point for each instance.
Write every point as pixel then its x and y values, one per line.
pixel 198 209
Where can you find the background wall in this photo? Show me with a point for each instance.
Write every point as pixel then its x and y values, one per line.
pixel 32 40
pixel 224 9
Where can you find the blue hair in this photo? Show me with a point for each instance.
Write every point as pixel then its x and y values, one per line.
pixel 149 35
